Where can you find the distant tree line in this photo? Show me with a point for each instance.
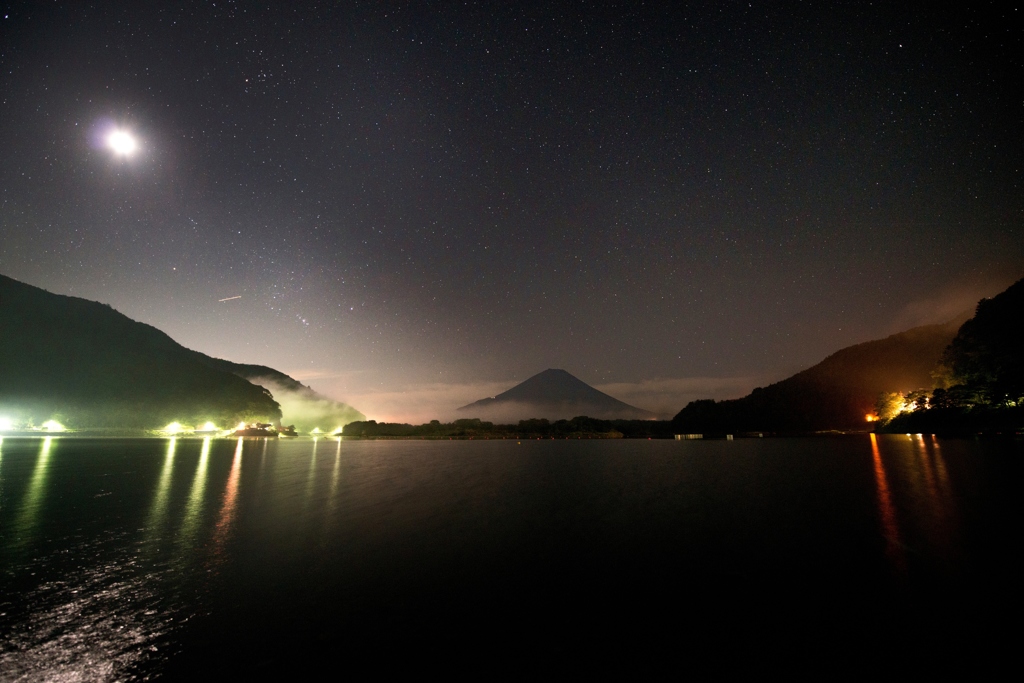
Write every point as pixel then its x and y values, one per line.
pixel 536 428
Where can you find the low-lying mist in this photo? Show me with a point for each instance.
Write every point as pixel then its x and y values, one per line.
pixel 421 403
pixel 308 410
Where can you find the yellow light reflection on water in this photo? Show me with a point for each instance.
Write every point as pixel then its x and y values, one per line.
pixel 159 508
pixel 32 503
pixel 194 506
pixel 336 472
pixel 332 502
pixel 311 474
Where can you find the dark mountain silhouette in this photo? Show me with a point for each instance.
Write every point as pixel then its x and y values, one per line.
pixel 981 377
pixel 987 355
pixel 837 393
pixel 553 394
pixel 86 365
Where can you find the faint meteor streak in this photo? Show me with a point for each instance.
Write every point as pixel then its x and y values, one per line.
pixel 229 298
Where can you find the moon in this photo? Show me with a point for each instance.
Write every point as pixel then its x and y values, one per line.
pixel 122 143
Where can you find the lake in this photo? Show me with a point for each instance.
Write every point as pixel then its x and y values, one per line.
pixel 136 559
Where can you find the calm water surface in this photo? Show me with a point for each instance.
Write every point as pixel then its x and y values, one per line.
pixel 189 558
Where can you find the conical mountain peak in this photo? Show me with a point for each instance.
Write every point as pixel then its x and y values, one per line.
pixel 553 394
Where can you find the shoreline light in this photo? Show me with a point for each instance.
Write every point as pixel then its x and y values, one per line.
pixel 174 428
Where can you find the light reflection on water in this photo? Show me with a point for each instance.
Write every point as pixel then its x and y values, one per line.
pixel 310 476
pixel 227 510
pixel 93 625
pixel 113 587
pixel 32 503
pixel 929 504
pixel 91 615
pixel 97 608
pixel 194 507
pixel 335 475
pixel 887 511
pixel 158 510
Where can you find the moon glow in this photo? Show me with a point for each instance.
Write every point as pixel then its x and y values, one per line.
pixel 122 143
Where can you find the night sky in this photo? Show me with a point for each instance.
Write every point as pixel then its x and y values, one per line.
pixel 422 204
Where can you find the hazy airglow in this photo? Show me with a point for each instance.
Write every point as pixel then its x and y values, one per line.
pixel 6 424
pixel 53 426
pixel 122 143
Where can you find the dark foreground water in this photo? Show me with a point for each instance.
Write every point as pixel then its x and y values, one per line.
pixel 191 559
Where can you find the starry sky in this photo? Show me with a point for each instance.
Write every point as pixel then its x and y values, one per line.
pixel 420 204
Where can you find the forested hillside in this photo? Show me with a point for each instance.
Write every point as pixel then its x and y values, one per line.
pixel 837 393
pixel 85 365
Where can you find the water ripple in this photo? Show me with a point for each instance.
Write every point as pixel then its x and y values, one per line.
pixel 99 623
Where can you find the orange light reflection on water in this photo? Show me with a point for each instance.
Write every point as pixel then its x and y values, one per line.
pixel 887 512
pixel 227 509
